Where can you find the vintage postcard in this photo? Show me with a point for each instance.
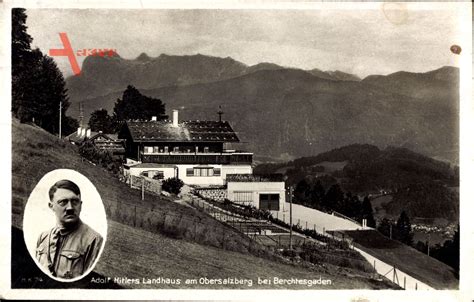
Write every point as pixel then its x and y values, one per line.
pixel 237 151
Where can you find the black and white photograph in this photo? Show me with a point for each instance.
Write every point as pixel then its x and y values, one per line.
pixel 65 225
pixel 254 147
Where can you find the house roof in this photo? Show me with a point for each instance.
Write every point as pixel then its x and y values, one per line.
pixel 187 131
pixel 108 136
pixel 74 137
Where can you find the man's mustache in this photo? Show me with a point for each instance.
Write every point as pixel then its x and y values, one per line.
pixel 70 212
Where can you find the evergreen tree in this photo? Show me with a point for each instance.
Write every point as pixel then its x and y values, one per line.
pixel 21 58
pixel 301 192
pixel 38 86
pixel 318 191
pixel 101 121
pixel 404 232
pixel 449 251
pixel 69 125
pixel 134 105
pixel 384 227
pixel 334 197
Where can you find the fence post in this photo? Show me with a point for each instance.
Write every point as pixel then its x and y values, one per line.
pixel 375 270
pixel 394 274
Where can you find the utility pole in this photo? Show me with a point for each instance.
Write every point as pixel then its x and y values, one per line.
pixel 291 217
pixel 60 113
pixel 428 244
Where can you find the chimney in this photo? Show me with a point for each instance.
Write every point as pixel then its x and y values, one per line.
pixel 153 118
pixel 79 131
pixel 88 133
pixel 175 118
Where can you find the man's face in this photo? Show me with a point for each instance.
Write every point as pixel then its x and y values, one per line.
pixel 66 205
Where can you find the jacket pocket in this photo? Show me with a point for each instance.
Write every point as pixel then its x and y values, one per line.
pixel 71 264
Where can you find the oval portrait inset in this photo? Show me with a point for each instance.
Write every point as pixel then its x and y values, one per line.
pixel 65 225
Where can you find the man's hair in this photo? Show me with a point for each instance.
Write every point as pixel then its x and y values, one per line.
pixel 64 184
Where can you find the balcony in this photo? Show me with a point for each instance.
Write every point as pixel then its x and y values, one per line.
pixel 234 158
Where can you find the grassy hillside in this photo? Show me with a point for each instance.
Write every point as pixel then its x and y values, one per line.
pixel 407 259
pixel 169 248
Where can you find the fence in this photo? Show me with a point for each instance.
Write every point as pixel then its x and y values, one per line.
pixel 392 273
pixel 145 184
pixel 397 276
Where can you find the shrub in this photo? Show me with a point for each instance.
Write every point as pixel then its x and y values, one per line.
pixel 172 185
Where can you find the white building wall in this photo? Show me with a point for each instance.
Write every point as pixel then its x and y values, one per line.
pixel 197 180
pixel 236 169
pixel 168 172
pixel 212 180
pixel 200 180
pixel 257 188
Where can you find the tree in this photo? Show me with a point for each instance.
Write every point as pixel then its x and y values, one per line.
pixel 47 92
pixel 404 232
pixel 172 185
pixel 384 227
pixel 21 57
pixel 301 192
pixel 134 105
pixel 317 193
pixel 334 197
pixel 38 86
pixel 101 121
pixel 69 125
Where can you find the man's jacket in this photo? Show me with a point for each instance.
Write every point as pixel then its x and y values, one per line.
pixel 68 254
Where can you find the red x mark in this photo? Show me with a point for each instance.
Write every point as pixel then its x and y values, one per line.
pixel 66 52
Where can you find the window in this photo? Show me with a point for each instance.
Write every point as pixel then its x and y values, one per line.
pixel 148 149
pixel 242 196
pixel 176 149
pixel 189 172
pixel 166 149
pixel 159 175
pixel 269 202
pixel 203 171
pixel 206 149
pixel 156 149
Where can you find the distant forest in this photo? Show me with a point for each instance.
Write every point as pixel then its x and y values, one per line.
pixel 420 185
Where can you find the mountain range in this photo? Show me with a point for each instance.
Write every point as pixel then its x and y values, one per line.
pixel 283 113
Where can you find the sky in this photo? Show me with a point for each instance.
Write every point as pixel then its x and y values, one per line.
pixel 384 39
